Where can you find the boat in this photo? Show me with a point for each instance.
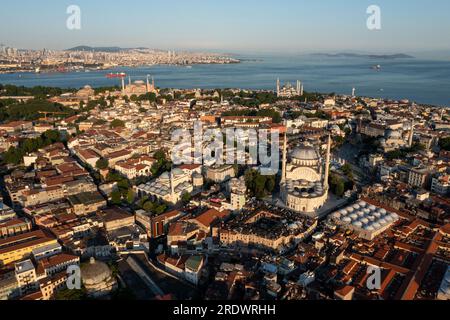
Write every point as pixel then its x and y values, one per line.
pixel 37 70
pixel 376 67
pixel 116 75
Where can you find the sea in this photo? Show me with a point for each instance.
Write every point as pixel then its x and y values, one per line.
pixel 418 80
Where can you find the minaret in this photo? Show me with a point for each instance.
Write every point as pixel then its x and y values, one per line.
pixel 411 135
pixel 284 164
pixel 278 86
pixel 327 164
pixel 302 91
pixel 353 92
pixel 129 80
pixel 172 186
pixel 148 84
pixel 299 84
pixel 123 85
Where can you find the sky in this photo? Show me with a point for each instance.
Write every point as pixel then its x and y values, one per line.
pixel 230 26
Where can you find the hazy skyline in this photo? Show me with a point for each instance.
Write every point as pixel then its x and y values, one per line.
pixel 249 25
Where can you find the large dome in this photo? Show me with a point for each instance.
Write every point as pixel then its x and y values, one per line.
pixel 95 272
pixel 305 153
pixel 98 279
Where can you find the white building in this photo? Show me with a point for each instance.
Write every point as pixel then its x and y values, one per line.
pixel 367 220
pixel 303 187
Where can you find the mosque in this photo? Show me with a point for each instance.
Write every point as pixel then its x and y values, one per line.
pixel 304 181
pixel 139 87
pixel 170 186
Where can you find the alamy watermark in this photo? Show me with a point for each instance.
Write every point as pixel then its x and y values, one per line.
pixel 73 277
pixel 231 146
pixel 374 278
pixel 374 20
pixel 73 22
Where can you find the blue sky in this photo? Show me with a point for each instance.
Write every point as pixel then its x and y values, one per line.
pixel 230 25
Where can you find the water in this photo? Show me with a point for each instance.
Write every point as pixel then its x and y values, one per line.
pixel 423 81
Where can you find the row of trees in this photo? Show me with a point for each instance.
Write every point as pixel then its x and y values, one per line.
pixel 31 109
pixel 15 155
pixel 259 185
pixel 275 115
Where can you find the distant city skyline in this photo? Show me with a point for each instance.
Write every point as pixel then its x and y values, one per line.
pixel 233 26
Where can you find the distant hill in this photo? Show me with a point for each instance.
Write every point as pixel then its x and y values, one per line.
pixel 101 49
pixel 369 56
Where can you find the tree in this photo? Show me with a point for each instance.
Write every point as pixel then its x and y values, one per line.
pixel 340 188
pixel 347 170
pixel 116 197
pixel 102 164
pixel 444 143
pixel 186 198
pixel 130 196
pixel 116 123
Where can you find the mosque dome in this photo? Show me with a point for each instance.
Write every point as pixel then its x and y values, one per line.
pixel 305 153
pixel 97 278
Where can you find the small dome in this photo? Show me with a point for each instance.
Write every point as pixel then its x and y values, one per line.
pixel 357 224
pixel 347 220
pixel 376 225
pixel 364 220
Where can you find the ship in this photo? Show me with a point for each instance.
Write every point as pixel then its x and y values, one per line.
pixel 376 67
pixel 116 75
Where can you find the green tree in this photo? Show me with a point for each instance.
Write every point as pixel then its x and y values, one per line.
pixel 116 123
pixel 186 198
pixel 131 196
pixel 102 164
pixel 444 143
pixel 116 197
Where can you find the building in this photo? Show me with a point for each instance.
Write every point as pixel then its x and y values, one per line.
pixel 14 226
pixel 98 279
pixel 19 247
pixel 288 91
pixel 303 187
pixel 418 177
pixel 116 218
pixel 170 186
pixel 221 173
pixel 274 230
pixel 87 202
pixel 441 185
pixel 238 191
pixel 156 225
pixel 138 88
pixel 366 218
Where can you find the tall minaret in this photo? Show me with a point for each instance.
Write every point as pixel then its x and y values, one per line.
pixel 148 84
pixel 123 85
pixel 302 90
pixel 172 186
pixel 278 86
pixel 411 135
pixel 327 164
pixel 129 80
pixel 299 84
pixel 284 164
pixel 353 92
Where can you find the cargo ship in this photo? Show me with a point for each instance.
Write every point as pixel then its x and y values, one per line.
pixel 116 75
